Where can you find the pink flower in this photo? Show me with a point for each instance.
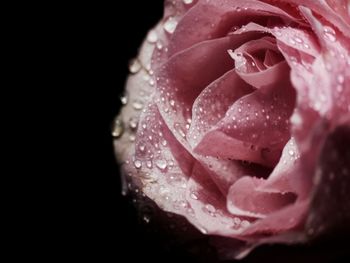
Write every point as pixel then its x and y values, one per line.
pixel 237 117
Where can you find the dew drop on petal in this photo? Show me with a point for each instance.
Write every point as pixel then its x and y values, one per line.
pixel 161 164
pixel 146 218
pixel 151 82
pixel 329 34
pixel 170 25
pixel 124 99
pixel 298 40
pixel 194 196
pixel 203 230
pixel 159 45
pixel 187 2
pixel 137 104
pixel 134 66
pixel 118 128
pixel 142 147
pixel 152 36
pixel 341 79
pixel 133 123
pixel 137 164
pixel 210 208
pixel 149 164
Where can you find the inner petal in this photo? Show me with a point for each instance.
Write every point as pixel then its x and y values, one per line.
pixel 245 200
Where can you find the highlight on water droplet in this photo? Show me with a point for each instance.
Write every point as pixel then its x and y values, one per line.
pixel 134 66
pixel 149 164
pixel 124 99
pixel 133 123
pixel 194 195
pixel 170 25
pixel 341 78
pixel 137 104
pixel 152 36
pixel 329 34
pixel 118 128
pixel 161 164
pixel 137 164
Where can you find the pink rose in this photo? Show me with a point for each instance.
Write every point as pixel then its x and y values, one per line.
pixel 237 117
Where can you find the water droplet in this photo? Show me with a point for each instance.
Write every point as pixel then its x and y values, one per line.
pixel 329 34
pixel 133 123
pixel 164 143
pixel 179 129
pixel 172 103
pixel 118 128
pixel 187 2
pixel 339 88
pixel 194 196
pixel 151 82
pixel 170 25
pixel 137 164
pixel 210 208
pixel 161 164
pixel 137 104
pixel 134 66
pixel 296 119
pixel 132 138
pixel 236 220
pixel 159 45
pixel 278 33
pixel 298 40
pixel 142 147
pixel 341 79
pixel 292 41
pixel 149 164
pixel 124 99
pixel 183 204
pixel 152 36
pixel 238 9
pixel 203 230
pixel 291 152
pixel 146 218
pixel 144 126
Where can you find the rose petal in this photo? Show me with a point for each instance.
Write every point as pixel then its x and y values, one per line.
pixel 178 83
pixel 259 119
pixel 213 102
pixel 208 206
pixel 196 26
pixel 245 198
pixel 324 10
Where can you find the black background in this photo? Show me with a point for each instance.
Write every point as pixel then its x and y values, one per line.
pixel 111 228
